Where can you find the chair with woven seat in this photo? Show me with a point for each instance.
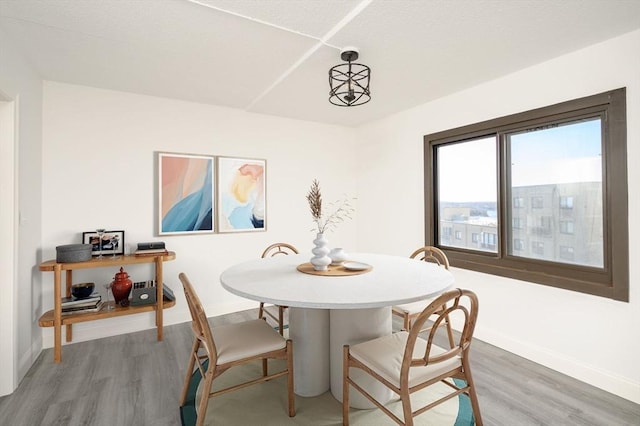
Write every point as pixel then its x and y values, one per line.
pixel 217 349
pixel 410 311
pixel 406 363
pixel 274 250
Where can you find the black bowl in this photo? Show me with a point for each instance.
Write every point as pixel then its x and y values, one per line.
pixel 82 290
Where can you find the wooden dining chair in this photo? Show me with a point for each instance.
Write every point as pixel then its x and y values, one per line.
pixel 274 250
pixel 215 350
pixel 410 311
pixel 406 363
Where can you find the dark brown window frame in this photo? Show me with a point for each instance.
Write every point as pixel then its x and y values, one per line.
pixel 612 280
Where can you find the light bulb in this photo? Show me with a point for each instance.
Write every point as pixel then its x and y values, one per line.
pixel 350 97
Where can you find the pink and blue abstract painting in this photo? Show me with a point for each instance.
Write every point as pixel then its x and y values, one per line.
pixel 186 193
pixel 241 195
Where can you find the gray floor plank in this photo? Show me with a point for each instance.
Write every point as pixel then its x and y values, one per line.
pixel 134 380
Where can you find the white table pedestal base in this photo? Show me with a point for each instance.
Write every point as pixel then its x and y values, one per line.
pixel 309 331
pixel 349 327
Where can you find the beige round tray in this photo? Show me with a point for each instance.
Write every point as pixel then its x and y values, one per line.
pixel 332 271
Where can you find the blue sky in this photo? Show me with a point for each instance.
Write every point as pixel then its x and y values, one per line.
pixel 568 153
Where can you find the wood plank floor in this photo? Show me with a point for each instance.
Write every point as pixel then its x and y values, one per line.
pixel 134 380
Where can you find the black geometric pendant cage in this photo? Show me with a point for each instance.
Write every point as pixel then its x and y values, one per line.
pixel 349 83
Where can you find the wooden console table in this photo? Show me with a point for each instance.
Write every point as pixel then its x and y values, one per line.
pixel 55 319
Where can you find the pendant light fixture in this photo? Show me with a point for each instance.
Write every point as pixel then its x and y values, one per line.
pixel 349 82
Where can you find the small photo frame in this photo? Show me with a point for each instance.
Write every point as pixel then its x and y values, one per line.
pixel 112 242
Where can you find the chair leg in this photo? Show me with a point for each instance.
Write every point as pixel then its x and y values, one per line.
pixel 290 395
pixel 406 407
pixel 345 385
pixel 281 320
pixel 475 406
pixel 265 367
pixel 192 363
pixel 204 396
pixel 407 322
pixel 261 311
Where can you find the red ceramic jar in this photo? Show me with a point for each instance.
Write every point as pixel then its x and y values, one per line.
pixel 121 286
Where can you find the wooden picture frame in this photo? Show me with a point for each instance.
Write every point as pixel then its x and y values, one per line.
pixel 112 242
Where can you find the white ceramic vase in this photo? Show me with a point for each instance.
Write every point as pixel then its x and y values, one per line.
pixel 320 259
pixel 338 256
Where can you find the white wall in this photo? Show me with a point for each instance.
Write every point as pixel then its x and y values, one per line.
pixel 99 171
pixel 8 243
pixel 21 89
pixel 591 338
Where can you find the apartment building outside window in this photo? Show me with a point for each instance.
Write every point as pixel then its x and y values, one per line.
pixel 536 191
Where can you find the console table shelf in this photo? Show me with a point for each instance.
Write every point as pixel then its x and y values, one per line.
pixel 54 317
pixel 46 320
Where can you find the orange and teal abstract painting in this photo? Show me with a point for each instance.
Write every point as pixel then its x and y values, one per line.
pixel 186 201
pixel 241 194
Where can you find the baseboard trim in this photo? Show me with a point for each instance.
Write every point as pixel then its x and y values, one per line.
pixel 589 374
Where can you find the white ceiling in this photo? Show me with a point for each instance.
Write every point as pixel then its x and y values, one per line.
pixel 273 56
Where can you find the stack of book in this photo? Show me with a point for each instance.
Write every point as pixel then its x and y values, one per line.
pixel 168 293
pixel 71 305
pixel 151 249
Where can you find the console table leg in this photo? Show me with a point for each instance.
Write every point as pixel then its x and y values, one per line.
pixel 57 315
pixel 69 282
pixel 159 296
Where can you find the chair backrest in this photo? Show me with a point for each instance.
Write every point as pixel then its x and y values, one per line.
pixel 279 248
pixel 455 302
pixel 431 254
pixel 200 323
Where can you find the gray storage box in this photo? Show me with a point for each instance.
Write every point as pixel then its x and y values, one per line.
pixel 73 253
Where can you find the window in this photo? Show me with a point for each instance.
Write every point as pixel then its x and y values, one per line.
pixel 518 202
pixel 566 253
pixel 537 202
pixel 489 241
pixel 537 247
pixel 458 235
pixel 517 223
pixel 542 227
pixel 518 244
pixel 566 227
pixel 538 191
pixel 566 202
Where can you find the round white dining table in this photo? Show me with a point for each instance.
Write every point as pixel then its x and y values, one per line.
pixel 328 312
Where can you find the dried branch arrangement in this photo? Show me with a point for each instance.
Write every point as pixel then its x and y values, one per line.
pixel 341 209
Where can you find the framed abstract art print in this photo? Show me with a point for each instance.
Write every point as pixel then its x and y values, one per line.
pixel 241 194
pixel 185 193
